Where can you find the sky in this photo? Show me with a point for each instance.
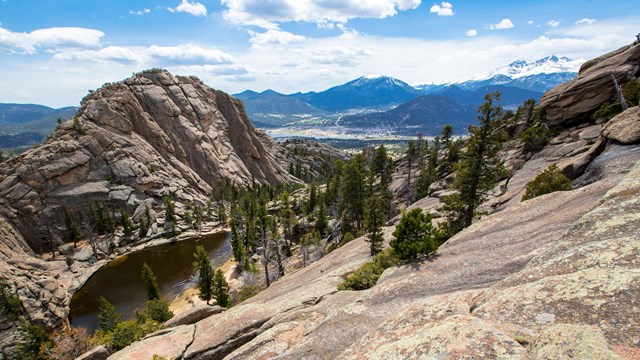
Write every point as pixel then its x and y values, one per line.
pixel 53 51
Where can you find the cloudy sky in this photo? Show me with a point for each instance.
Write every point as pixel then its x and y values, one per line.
pixel 53 51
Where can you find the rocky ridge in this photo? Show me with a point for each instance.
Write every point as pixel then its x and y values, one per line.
pixel 141 138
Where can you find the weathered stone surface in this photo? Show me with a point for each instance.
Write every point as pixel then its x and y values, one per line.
pixel 168 343
pixel 568 341
pixel 576 100
pixel 193 315
pixel 625 127
pixel 97 353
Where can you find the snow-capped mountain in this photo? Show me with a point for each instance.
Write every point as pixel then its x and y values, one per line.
pixel 521 68
pixel 540 75
pixel 373 91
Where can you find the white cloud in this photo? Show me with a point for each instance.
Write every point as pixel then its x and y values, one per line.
pixel 267 13
pixel 553 23
pixel 504 24
pixel 530 22
pixel 274 36
pixel 60 37
pixel 471 32
pixel 585 21
pixel 140 12
pixel 189 54
pixel 193 8
pixel 185 54
pixel 109 54
pixel 442 9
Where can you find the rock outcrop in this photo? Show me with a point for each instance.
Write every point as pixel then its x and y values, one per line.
pixel 506 287
pixel 576 100
pixel 625 127
pixel 141 138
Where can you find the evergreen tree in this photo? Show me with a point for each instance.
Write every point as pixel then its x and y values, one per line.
pixel 321 219
pixel 237 246
pixel 125 221
pixel 222 213
pixel 414 235
pixel 479 169
pixel 108 316
pixel 205 271
pixel 156 310
pixel 353 192
pixel 447 135
pixel 412 153
pixel 262 217
pixel 150 282
pixel 313 197
pixel 170 211
pixel 286 214
pixel 375 215
pixel 32 338
pixel 382 166
pixel 73 229
pixel 221 289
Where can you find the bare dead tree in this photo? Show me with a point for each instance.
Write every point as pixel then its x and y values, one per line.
pixel 623 102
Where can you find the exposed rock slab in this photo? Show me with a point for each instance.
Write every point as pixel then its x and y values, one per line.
pixel 97 353
pixel 625 127
pixel 575 100
pixel 168 343
pixel 193 315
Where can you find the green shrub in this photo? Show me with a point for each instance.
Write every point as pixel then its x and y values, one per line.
pixel 535 138
pixel 548 181
pixel 414 235
pixel 368 274
pixel 246 292
pixel 631 92
pixel 608 110
pixel 155 310
pixel 124 334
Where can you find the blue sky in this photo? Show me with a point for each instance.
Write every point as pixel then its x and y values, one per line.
pixel 53 51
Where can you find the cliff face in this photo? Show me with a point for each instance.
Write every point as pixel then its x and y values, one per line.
pixel 575 100
pixel 140 138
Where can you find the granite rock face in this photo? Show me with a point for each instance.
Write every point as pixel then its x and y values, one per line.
pixel 575 100
pixel 625 127
pixel 140 138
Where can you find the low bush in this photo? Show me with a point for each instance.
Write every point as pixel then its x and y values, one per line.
pixel 548 181
pixel 368 274
pixel 535 138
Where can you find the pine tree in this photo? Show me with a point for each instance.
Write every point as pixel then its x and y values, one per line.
pixel 150 282
pixel 479 169
pixel 222 213
pixel 108 316
pixel 263 228
pixel 353 192
pixel 221 289
pixel 313 197
pixel 381 166
pixel 125 221
pixel 321 218
pixel 205 271
pixel 375 215
pixel 411 156
pixel 413 235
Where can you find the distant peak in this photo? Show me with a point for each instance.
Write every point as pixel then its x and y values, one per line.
pixel 547 65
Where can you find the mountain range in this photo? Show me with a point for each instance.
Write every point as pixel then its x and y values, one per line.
pixel 29 124
pixel 390 105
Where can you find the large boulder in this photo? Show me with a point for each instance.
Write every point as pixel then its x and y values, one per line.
pixel 575 100
pixel 625 127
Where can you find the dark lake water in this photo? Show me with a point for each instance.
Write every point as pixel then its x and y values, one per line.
pixel 120 282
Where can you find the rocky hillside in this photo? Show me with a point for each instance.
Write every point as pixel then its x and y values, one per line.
pixel 550 278
pixel 141 138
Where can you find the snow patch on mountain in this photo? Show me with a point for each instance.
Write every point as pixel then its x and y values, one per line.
pixel 521 68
